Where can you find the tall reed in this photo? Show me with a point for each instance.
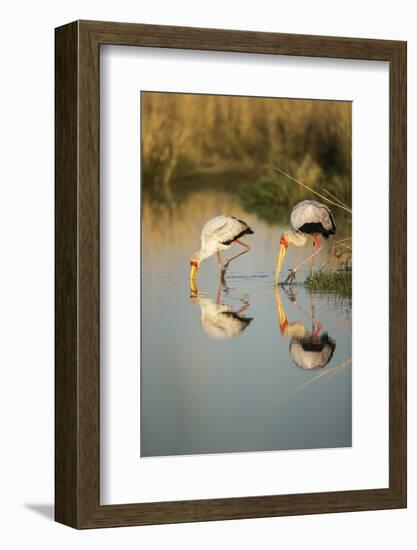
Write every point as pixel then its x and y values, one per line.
pixel 184 134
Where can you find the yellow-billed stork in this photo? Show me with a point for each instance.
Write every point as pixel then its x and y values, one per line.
pixel 309 219
pixel 219 234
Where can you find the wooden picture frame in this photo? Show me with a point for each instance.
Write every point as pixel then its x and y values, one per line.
pixel 77 374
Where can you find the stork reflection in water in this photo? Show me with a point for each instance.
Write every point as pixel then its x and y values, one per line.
pixel 220 321
pixel 309 348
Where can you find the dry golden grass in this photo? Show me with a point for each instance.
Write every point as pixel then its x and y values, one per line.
pixel 185 133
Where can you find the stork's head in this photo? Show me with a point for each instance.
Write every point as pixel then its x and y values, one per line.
pixel 195 260
pixel 288 238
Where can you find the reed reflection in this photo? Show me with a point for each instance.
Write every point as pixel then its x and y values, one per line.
pixel 221 320
pixel 309 347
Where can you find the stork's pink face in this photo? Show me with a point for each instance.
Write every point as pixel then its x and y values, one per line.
pixel 284 241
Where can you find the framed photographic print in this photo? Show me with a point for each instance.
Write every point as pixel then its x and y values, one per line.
pixel 230 274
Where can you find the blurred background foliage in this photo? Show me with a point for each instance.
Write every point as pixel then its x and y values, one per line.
pixel 232 144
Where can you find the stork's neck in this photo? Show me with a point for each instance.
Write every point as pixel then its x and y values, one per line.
pixel 296 238
pixel 201 255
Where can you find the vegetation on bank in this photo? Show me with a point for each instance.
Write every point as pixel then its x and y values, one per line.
pixel 185 135
pixel 270 196
pixel 338 282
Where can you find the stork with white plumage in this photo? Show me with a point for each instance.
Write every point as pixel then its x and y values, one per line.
pixel 309 219
pixel 219 234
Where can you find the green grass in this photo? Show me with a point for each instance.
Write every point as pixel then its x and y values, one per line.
pixel 267 198
pixel 271 197
pixel 338 282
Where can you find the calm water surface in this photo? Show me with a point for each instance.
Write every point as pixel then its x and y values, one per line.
pixel 230 367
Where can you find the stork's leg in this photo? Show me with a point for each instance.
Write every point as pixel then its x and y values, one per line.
pixel 316 328
pixel 222 287
pixel 219 261
pixel 244 307
pixel 218 294
pixel 227 262
pixel 313 260
pixel 311 317
pixel 294 270
pixel 316 325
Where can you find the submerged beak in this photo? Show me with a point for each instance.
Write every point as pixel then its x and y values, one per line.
pixel 193 288
pixel 193 270
pixel 283 245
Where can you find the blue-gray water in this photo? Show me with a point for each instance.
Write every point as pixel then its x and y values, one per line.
pixel 214 382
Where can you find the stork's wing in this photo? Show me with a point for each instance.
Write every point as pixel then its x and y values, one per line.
pixel 311 211
pixel 224 229
pixel 332 219
pixel 326 217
